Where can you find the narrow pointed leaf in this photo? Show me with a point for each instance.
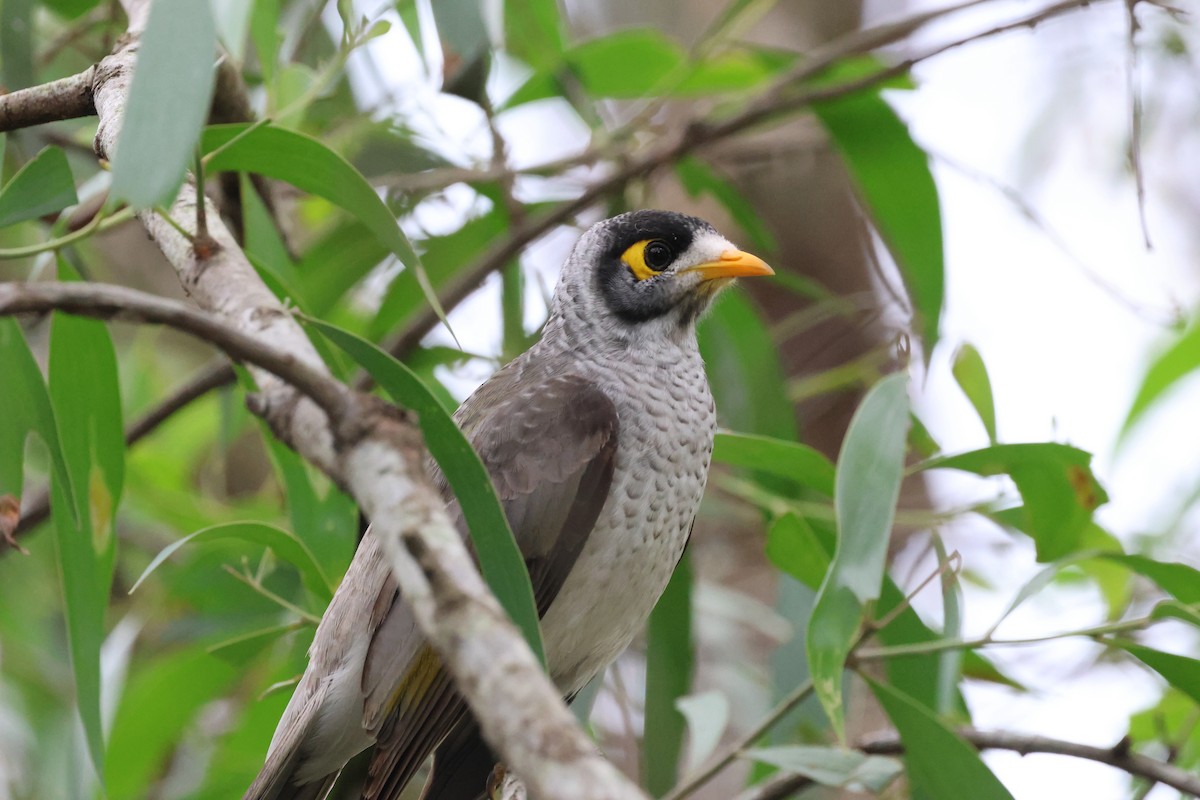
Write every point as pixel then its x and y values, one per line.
pixel 43 186
pixel 831 766
pixel 669 662
pixel 972 378
pixel 168 102
pixel 940 763
pixel 308 164
pixel 1177 361
pixel 893 178
pixel 869 470
pixel 28 410
pixel 1180 671
pixel 1056 483
pixel 84 388
pixel 797 462
pixel 284 544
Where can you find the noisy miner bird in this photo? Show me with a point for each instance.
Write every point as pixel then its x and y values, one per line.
pixel 598 440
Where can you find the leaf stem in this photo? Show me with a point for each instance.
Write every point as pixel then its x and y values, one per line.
pixel 942 645
pixel 99 224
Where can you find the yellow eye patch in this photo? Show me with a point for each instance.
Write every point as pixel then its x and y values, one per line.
pixel 635 259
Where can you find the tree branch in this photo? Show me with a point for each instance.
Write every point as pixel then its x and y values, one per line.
pixel 781 786
pixel 787 95
pixel 1120 756
pixel 66 98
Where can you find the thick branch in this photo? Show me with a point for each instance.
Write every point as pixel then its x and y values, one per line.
pixel 104 301
pixel 66 98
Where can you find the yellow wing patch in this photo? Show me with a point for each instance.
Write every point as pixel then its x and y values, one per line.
pixel 417 680
pixel 635 259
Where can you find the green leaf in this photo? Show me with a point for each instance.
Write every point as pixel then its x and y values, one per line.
pixel 1175 363
pixel 699 178
pixel 328 526
pixel 233 24
pixel 1179 580
pixel 84 389
pixel 43 186
pixel 500 560
pixel 940 764
pixel 669 663
pixel 70 9
pixel 870 466
pixel 626 64
pixel 16 44
pixel 1055 481
pixel 309 165
pixel 831 766
pixel 796 462
pixel 707 716
pixel 168 102
pixel 533 32
pixel 283 543
pixel 1180 671
pixel 27 410
pixel 736 345
pixel 972 378
pixel 162 699
pixel 794 547
pixel 264 32
pixel 894 180
pixel 336 262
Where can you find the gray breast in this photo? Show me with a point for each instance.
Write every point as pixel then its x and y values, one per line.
pixel 667 421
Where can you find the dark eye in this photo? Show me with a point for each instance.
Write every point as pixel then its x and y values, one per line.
pixel 658 255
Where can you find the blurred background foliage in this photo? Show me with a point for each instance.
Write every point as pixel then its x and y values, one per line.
pixel 455 148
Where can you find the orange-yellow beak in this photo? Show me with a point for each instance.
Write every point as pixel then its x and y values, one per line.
pixel 732 264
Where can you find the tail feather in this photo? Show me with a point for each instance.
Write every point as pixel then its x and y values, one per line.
pixel 277 779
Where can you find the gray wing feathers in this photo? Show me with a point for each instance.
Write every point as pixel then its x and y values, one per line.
pixel 549 443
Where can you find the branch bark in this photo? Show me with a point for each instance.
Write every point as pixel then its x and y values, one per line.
pixel 66 98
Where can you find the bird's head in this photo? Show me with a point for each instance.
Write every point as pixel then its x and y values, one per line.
pixel 649 273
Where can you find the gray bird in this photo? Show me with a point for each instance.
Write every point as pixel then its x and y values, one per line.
pixel 598 440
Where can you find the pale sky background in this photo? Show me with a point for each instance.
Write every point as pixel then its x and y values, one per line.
pixel 1047 113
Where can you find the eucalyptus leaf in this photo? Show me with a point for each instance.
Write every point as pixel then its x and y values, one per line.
pixel 167 104
pixel 1180 359
pixel 893 177
pixel 972 377
pixel 831 766
pixel 284 544
pixel 83 386
pixel 797 462
pixel 1056 483
pixel 43 186
pixel 869 471
pixel 670 659
pixel 940 764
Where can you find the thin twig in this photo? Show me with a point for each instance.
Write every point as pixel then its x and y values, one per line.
pixel 1135 121
pixel 1119 756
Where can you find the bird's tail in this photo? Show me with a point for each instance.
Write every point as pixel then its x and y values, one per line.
pixel 277 779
